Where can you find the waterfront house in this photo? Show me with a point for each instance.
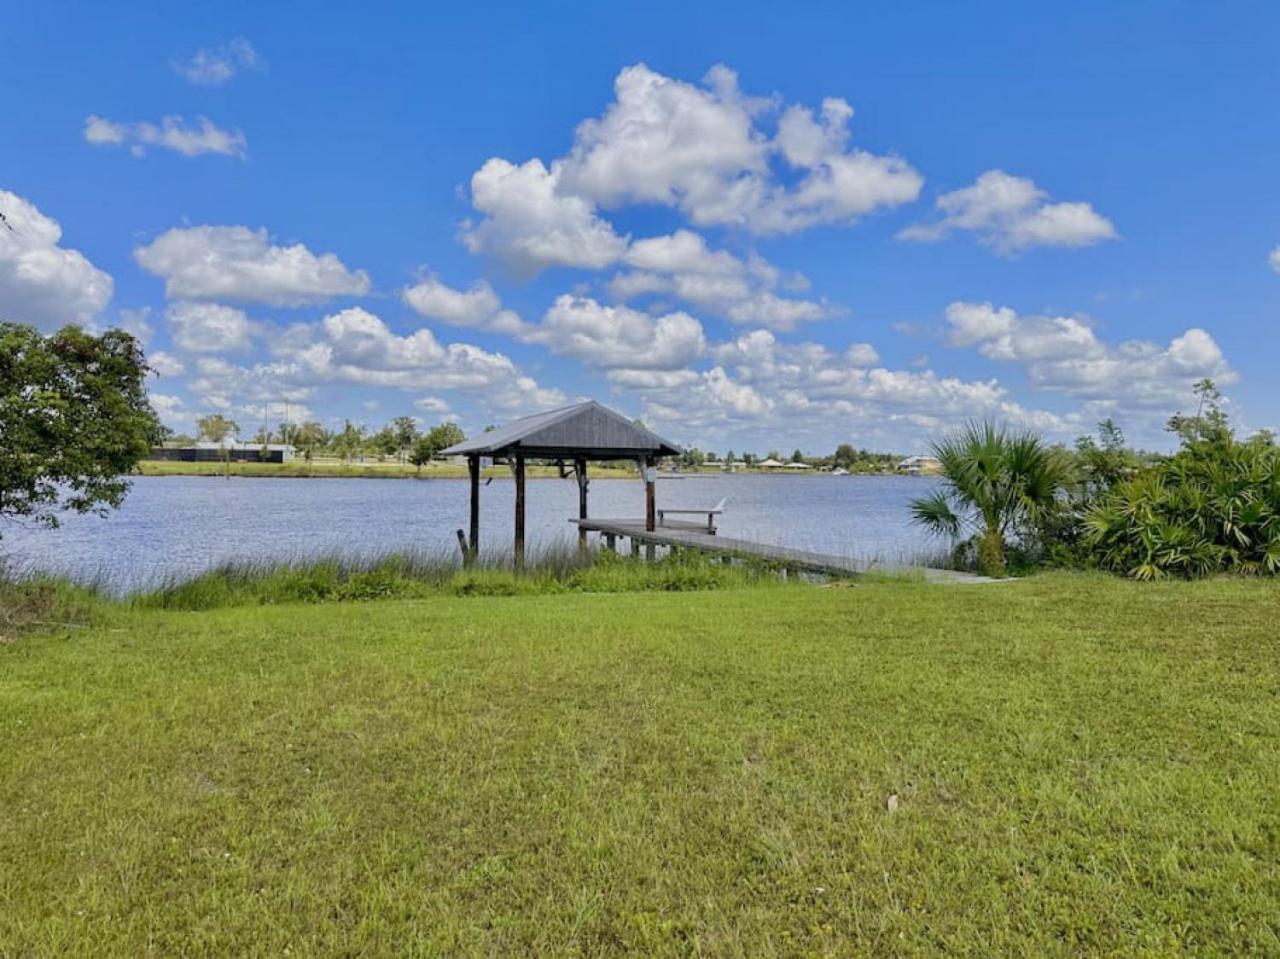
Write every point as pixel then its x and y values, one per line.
pixel 920 465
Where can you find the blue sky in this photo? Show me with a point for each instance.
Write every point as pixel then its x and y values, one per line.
pixel 754 225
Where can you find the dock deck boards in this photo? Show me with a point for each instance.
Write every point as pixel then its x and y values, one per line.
pixel 695 536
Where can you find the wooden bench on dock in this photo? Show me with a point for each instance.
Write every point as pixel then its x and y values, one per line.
pixel 710 514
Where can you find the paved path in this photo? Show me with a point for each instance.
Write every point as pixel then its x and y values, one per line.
pixel 695 536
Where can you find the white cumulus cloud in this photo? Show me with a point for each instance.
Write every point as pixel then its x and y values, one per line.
pixel 42 282
pixel 1012 214
pixel 618 336
pixel 209 327
pixel 237 263
pixel 530 224
pixel 1275 259
pixel 708 150
pixel 171 133
pixel 477 308
pixel 682 265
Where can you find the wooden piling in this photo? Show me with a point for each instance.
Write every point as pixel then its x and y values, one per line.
pixel 650 505
pixel 472 549
pixel 519 537
pixel 580 468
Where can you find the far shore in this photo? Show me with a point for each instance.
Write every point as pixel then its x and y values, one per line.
pixel 331 470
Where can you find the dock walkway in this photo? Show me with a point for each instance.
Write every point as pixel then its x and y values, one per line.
pixel 682 535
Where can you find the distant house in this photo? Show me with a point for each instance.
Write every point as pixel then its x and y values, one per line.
pixel 918 465
pixel 797 466
pixel 770 464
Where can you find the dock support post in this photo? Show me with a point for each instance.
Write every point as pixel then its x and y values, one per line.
pixel 611 542
pixel 519 541
pixel 650 507
pixel 472 547
pixel 580 468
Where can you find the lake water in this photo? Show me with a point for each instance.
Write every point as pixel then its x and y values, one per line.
pixel 178 526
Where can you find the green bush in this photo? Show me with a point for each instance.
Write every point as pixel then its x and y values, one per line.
pixel 1214 507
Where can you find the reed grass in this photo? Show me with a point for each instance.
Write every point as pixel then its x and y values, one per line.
pixel 29 596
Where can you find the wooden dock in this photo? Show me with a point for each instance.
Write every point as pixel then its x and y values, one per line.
pixel 682 535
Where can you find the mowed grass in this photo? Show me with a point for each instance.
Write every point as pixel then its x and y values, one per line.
pixel 1082 765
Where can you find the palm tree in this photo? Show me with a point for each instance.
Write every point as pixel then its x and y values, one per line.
pixel 996 484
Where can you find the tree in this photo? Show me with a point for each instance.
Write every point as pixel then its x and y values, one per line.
pixel 995 484
pixel 349 441
pixel 309 437
pixel 421 453
pixel 406 431
pixel 443 436
pixel 845 456
pixel 385 442
pixel 692 458
pixel 797 457
pixel 215 427
pixel 74 419
pixel 1209 425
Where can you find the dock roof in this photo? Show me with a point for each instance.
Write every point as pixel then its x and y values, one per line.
pixel 587 430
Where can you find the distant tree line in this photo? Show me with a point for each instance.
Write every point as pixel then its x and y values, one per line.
pixel 844 457
pixel 402 438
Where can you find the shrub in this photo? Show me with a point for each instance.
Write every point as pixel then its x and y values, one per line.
pixel 996 486
pixel 1212 507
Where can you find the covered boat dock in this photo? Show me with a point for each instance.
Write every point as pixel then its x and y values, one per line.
pixel 573 435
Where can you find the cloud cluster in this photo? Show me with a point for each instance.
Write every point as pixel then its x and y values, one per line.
pixel 42 282
pixel 741 291
pixel 356 347
pixel 530 224
pixel 600 335
pixel 759 382
pixel 1064 354
pixel 1012 214
pixel 477 308
pixel 209 328
pixel 171 133
pixel 611 337
pixel 1275 259
pixel 237 263
pixel 703 150
pixel 214 67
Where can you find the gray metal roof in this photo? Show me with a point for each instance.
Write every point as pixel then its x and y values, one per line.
pixel 584 429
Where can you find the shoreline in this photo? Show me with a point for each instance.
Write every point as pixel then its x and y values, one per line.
pixel 169 469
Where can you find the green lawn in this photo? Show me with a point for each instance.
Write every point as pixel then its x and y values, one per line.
pixel 1083 765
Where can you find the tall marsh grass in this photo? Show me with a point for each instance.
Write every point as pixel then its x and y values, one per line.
pixel 29 597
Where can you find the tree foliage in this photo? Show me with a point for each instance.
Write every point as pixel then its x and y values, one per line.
pixel 74 419
pixel 216 428
pixel 443 436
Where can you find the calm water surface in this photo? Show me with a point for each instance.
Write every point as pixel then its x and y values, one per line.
pixel 178 526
